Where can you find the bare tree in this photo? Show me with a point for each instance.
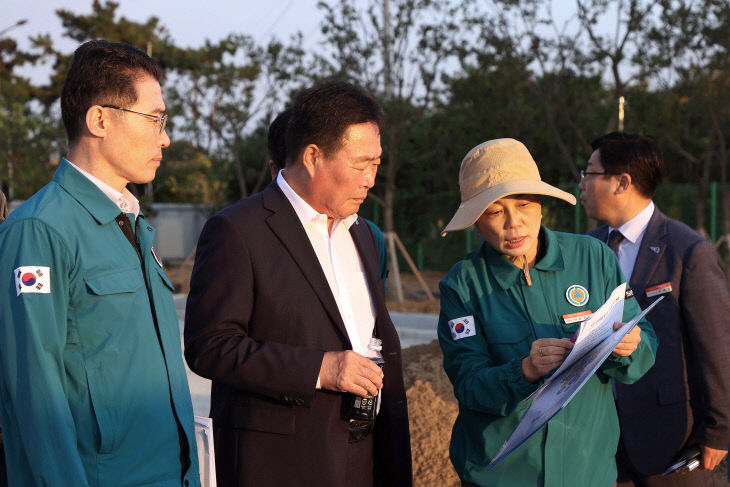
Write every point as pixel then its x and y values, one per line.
pixel 219 92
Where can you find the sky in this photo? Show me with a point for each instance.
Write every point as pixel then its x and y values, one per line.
pixel 190 22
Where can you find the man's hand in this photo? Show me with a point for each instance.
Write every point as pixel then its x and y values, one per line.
pixel 350 372
pixel 630 342
pixel 545 355
pixel 711 458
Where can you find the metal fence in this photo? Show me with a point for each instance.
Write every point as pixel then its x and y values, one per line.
pixel 420 229
pixel 420 219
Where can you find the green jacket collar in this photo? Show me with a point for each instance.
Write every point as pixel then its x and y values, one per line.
pixel 507 274
pixel 86 193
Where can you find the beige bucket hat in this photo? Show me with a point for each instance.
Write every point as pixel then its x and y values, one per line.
pixel 495 169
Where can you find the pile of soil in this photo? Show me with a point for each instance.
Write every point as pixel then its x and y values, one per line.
pixel 432 410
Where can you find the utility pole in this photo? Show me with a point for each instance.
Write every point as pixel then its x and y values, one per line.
pixel 620 113
pixel 389 227
pixel 387 40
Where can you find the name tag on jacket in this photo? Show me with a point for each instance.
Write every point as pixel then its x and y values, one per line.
pixel 658 289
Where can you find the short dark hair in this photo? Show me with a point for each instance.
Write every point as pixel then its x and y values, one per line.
pixel 101 73
pixel 632 153
pixel 277 138
pixel 321 115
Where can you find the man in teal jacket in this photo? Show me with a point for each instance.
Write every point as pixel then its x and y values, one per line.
pixel 93 390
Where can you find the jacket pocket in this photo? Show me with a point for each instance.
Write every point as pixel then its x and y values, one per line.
pixel 507 341
pixel 110 306
pixel 101 411
pixel 114 281
pixel 263 419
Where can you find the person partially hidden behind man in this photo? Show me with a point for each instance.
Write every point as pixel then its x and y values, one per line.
pixel 284 297
pixel 684 400
pixel 3 207
pixel 93 390
pixel 3 469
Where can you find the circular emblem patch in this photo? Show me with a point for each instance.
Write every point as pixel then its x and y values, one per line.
pixel 577 295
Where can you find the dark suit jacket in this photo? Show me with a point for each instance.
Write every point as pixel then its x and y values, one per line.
pixel 687 392
pixel 260 315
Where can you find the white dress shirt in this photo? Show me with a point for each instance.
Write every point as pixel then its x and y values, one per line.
pixel 125 200
pixel 633 232
pixel 342 266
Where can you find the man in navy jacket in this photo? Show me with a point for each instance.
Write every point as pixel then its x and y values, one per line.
pixel 684 400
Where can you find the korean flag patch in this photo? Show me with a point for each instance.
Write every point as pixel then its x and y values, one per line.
pixel 33 279
pixel 462 327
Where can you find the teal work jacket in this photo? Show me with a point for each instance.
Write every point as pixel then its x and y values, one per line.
pixel 577 447
pixel 382 249
pixel 88 397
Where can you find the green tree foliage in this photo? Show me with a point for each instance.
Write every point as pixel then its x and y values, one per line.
pixel 690 58
pixel 29 147
pixel 216 95
pixel 450 75
pixel 398 50
pixel 219 92
pixel 188 175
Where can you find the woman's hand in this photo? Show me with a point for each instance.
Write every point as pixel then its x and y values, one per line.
pixel 629 343
pixel 545 355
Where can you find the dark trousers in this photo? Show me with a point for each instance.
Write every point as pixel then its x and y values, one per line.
pixel 3 470
pixel 360 467
pixel 469 484
pixel 629 477
pixel 696 478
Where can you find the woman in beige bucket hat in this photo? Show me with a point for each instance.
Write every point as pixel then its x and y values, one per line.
pixel 508 311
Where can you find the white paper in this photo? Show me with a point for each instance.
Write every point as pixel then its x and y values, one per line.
pixel 206 452
pixel 557 392
pixel 597 327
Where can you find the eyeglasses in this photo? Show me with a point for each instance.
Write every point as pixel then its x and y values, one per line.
pixel 584 173
pixel 162 120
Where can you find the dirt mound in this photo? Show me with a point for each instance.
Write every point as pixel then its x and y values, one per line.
pixel 432 411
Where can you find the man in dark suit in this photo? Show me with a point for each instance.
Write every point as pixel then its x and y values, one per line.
pixel 284 296
pixel 276 144
pixel 684 399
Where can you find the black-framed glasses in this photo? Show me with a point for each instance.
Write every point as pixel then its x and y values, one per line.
pixel 162 120
pixel 584 173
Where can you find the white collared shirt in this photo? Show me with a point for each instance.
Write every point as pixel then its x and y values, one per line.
pixel 341 264
pixel 633 232
pixel 125 200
